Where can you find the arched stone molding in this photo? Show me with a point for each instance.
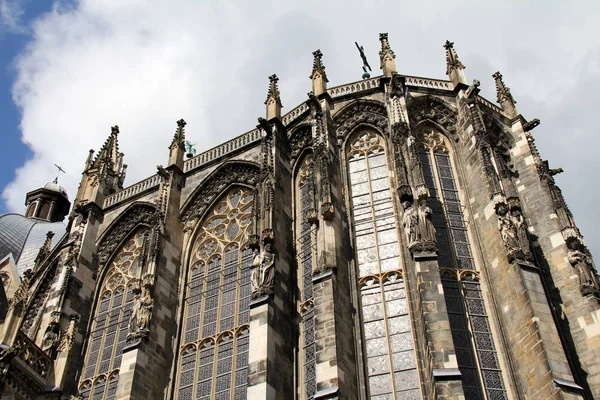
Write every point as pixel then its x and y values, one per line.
pixel 438 112
pixel 119 230
pixel 300 138
pixel 228 174
pixel 367 113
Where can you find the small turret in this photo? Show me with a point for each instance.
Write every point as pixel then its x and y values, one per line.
pixel 318 76
pixel 386 56
pixel 505 98
pixel 49 203
pixel 454 68
pixel 273 101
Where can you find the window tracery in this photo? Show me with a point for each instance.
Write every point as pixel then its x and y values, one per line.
pixel 387 333
pixel 469 322
pixel 213 359
pixel 110 324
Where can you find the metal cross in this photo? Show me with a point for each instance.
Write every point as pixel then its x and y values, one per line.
pixel 58 172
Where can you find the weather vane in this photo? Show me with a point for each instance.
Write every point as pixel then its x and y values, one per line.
pixel 58 172
pixel 366 65
pixel 190 148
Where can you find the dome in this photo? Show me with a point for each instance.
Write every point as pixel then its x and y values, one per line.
pixel 23 237
pixel 55 187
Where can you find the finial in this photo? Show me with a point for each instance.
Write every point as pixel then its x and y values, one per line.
pixel 386 56
pixel 114 130
pixel 505 98
pixel 365 66
pixel 273 89
pixel 318 75
pixel 179 138
pixel 273 101
pixel 454 68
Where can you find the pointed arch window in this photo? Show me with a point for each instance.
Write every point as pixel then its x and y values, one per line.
pixel 469 323
pixel 388 345
pixel 110 323
pixel 213 359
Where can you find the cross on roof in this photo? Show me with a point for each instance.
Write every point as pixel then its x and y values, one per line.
pixel 58 172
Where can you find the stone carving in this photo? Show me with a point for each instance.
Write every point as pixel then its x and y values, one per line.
pixel 508 231
pixel 452 61
pixel 300 139
pixel 44 250
pixel 215 185
pixel 418 227
pixel 522 237
pixel 67 340
pixel 52 336
pixel 22 293
pixel 263 272
pixel 432 109
pixel 361 112
pixel 426 229
pixel 138 214
pixel 589 283
pixel 410 223
pixel 139 321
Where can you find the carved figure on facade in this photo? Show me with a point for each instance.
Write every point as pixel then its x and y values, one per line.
pixel 52 336
pixel 589 282
pixel 410 223
pixel 523 238
pixel 263 272
pixel 141 313
pixel 509 233
pixel 426 229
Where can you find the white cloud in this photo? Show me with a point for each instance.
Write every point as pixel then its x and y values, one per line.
pixel 11 13
pixel 144 64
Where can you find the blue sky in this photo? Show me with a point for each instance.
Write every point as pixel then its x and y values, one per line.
pixel 76 68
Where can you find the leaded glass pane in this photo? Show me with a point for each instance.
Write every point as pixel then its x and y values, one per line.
pixel 386 328
pixel 471 332
pixel 217 301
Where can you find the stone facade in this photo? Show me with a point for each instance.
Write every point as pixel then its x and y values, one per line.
pixel 392 238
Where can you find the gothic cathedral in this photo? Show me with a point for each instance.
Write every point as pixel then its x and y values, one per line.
pixel 393 238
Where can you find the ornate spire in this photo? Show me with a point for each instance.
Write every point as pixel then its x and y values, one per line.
pixel 273 101
pixel 177 147
pixel 386 56
pixel 452 61
pixel 179 138
pixel 318 75
pixel 44 250
pixel 109 155
pixel 505 98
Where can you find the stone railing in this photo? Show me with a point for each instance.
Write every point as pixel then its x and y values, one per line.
pixel 221 150
pixel 489 104
pixel 32 356
pixel 429 83
pixel 295 113
pixel 132 190
pixel 355 87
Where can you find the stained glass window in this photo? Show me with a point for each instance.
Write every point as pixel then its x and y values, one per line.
pixel 469 322
pixel 213 359
pixel 305 249
pixel 388 343
pixel 110 324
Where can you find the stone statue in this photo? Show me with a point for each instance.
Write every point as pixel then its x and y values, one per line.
pixel 588 280
pixel 521 228
pixel 426 228
pixel 508 232
pixel 51 339
pixel 139 321
pixel 410 222
pixel 263 271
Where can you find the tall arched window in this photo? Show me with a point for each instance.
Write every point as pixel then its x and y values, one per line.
pixel 388 343
pixel 306 250
pixel 471 332
pixel 213 359
pixel 110 324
